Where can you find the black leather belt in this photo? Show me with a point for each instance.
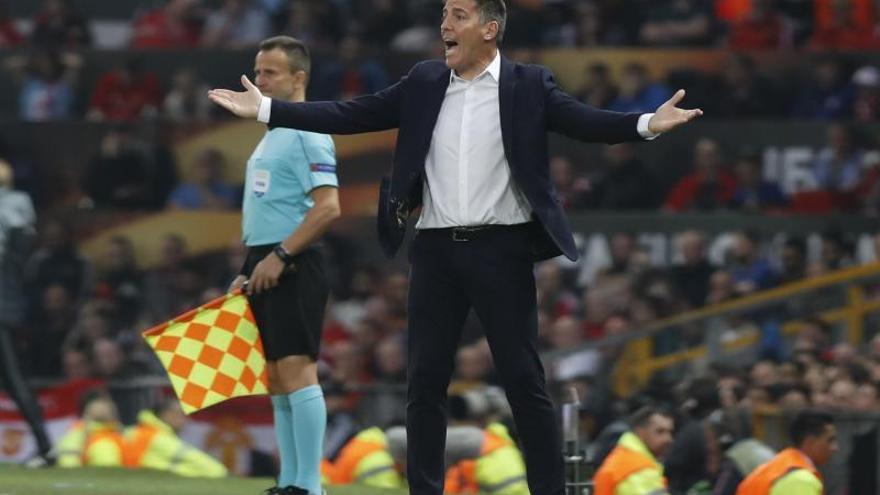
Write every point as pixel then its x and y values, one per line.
pixel 464 234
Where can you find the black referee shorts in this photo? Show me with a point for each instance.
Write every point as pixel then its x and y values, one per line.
pixel 290 315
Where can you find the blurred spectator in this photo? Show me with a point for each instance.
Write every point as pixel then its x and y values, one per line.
pixel 9 34
pixel 553 296
pixel 207 191
pixel 47 81
pixel 624 183
pixel 110 362
pixel 422 33
pixel 844 27
pixel 762 28
pixel 96 321
pixel 866 104
pixel 837 251
pixel 119 280
pixel 599 89
pixel 732 10
pixel 677 23
pixel 58 25
pixel 570 189
pixel 161 295
pixel 473 365
pixel 316 23
pixel 708 187
pixel 598 309
pixel 566 334
pixel 827 95
pixel 525 23
pixel 691 277
pixel 76 364
pixel 380 20
pixel 838 166
pixel 389 367
pixel 637 92
pixel 237 24
pixel 57 261
pixel 743 93
pixel 754 193
pixel 750 271
pixel 589 28
pixel 721 287
pixel 119 176
pixel 125 93
pixel 186 100
pixel 794 261
pixel 623 248
pixel 354 74
pixel 48 331
pixel 175 25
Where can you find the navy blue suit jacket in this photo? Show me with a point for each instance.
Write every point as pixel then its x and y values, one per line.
pixel 531 104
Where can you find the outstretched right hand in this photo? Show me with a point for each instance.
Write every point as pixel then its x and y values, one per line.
pixel 242 103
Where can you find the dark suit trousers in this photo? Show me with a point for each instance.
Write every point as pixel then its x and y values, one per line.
pixel 493 274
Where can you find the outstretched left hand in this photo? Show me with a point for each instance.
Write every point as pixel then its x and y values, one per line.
pixel 668 116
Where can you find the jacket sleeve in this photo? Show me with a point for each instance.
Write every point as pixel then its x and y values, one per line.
pixel 568 116
pixel 376 112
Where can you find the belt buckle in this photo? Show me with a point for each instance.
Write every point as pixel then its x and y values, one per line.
pixel 457 232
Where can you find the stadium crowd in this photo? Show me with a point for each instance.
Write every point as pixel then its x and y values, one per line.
pixel 831 87
pixel 410 25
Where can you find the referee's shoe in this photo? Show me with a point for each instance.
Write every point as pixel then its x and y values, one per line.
pixel 286 490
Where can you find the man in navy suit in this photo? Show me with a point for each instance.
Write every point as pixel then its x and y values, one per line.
pixel 472 151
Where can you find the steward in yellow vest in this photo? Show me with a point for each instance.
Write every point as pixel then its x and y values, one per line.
pixel 94 440
pixel 364 460
pixel 793 471
pixel 632 467
pixel 153 444
pixel 499 469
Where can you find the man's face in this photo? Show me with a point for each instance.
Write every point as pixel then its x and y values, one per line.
pixel 463 34
pixel 273 74
pixel 657 434
pixel 820 448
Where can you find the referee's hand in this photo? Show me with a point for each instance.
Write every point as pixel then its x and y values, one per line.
pixel 242 103
pixel 237 283
pixel 265 275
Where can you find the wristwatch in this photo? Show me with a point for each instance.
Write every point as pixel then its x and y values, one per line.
pixel 283 255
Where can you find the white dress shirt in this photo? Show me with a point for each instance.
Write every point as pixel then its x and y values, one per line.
pixel 467 177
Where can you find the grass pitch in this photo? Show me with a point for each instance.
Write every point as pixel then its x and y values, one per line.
pixel 95 481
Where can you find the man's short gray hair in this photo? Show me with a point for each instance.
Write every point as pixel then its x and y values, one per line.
pixel 493 10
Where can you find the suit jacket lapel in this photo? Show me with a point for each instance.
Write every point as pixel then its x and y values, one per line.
pixel 506 99
pixel 432 102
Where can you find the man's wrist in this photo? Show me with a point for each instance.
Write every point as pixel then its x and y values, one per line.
pixel 283 255
pixel 265 110
pixel 643 126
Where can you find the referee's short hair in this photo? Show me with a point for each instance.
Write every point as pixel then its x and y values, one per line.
pixel 297 54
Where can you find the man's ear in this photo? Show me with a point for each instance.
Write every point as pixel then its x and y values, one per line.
pixel 490 30
pixel 300 78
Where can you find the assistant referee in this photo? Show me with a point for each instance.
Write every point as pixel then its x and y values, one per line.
pixel 290 199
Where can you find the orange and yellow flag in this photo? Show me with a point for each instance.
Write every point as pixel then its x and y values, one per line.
pixel 212 353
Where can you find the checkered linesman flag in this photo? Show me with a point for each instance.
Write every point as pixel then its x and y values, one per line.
pixel 212 353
